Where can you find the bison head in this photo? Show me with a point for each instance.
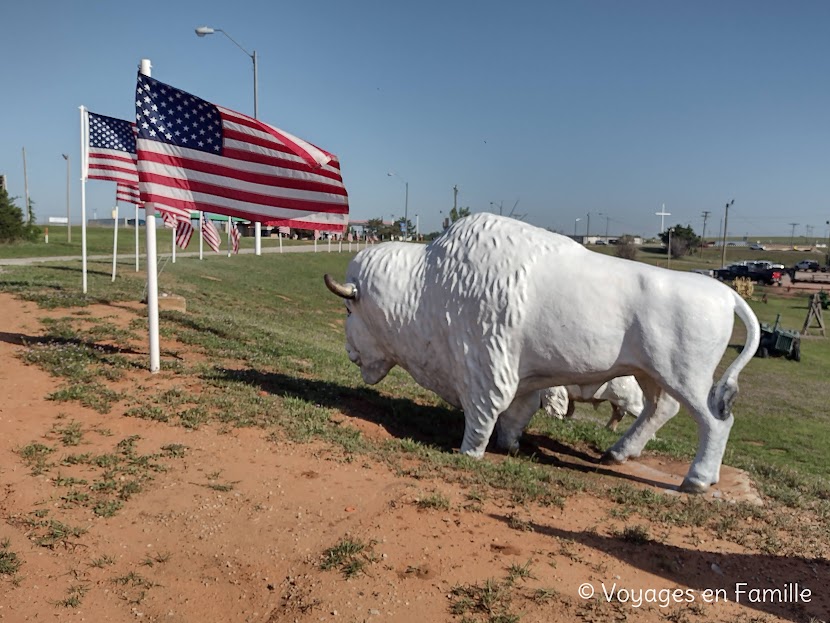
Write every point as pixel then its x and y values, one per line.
pixel 363 349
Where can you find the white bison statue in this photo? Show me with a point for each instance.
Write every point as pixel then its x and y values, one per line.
pixel 623 393
pixel 496 310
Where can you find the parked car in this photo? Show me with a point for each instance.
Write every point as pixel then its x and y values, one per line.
pixel 807 265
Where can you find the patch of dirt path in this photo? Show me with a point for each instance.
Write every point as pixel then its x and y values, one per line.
pixel 235 530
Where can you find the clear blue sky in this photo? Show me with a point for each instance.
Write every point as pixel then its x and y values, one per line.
pixel 567 107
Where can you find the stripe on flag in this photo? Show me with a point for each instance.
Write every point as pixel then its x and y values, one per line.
pixel 184 229
pixel 210 234
pixel 110 150
pixel 127 193
pixel 235 237
pixel 194 155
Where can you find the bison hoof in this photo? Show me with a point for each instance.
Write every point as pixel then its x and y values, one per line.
pixel 690 486
pixel 609 458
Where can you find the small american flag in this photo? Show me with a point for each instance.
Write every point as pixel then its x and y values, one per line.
pixel 184 229
pixel 127 193
pixel 110 150
pixel 235 237
pixel 210 234
pixel 194 155
pixel 285 231
pixel 349 237
pixel 316 234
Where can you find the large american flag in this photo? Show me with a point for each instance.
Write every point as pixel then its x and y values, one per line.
pixel 194 155
pixel 210 234
pixel 110 150
pixel 127 193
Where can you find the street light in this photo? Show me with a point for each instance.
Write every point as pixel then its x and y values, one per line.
pixel 203 31
pixel 68 222
pixel 405 205
pixel 575 222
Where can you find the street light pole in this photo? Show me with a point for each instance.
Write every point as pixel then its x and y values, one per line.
pixel 68 222
pixel 405 205
pixel 575 222
pixel 202 31
pixel 725 225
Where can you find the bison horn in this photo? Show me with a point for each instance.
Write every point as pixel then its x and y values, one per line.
pixel 348 291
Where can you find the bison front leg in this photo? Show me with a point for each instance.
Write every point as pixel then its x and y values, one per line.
pixel 478 427
pixel 617 415
pixel 515 419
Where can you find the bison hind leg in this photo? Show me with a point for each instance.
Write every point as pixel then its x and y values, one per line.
pixel 659 407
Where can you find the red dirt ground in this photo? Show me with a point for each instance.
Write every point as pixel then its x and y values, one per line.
pixel 253 553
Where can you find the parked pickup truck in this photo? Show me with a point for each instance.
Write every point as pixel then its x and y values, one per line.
pixel 769 276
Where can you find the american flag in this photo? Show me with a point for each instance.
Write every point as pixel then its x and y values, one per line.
pixel 285 231
pixel 110 149
pixel 194 155
pixel 316 234
pixel 184 229
pixel 210 234
pixel 127 193
pixel 349 237
pixel 235 237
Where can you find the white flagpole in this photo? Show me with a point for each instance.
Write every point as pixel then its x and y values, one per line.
pixel 152 269
pixel 329 243
pixel 201 236
pixel 340 248
pixel 279 235
pixel 230 248
pixel 315 242
pixel 114 239
pixel 173 240
pixel 136 238
pixel 84 160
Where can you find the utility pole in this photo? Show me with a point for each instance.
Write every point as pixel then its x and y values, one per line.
pixel 792 235
pixel 706 214
pixel 68 222
pixel 455 199
pixel 26 189
pixel 588 228
pixel 725 226
pixel 668 261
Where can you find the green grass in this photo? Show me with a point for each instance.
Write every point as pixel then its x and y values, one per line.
pixel 9 561
pixel 349 556
pixel 99 242
pixel 270 339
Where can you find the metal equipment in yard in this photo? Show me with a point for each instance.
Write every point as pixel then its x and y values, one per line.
pixel 778 342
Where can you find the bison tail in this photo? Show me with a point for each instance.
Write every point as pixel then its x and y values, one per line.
pixel 725 391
